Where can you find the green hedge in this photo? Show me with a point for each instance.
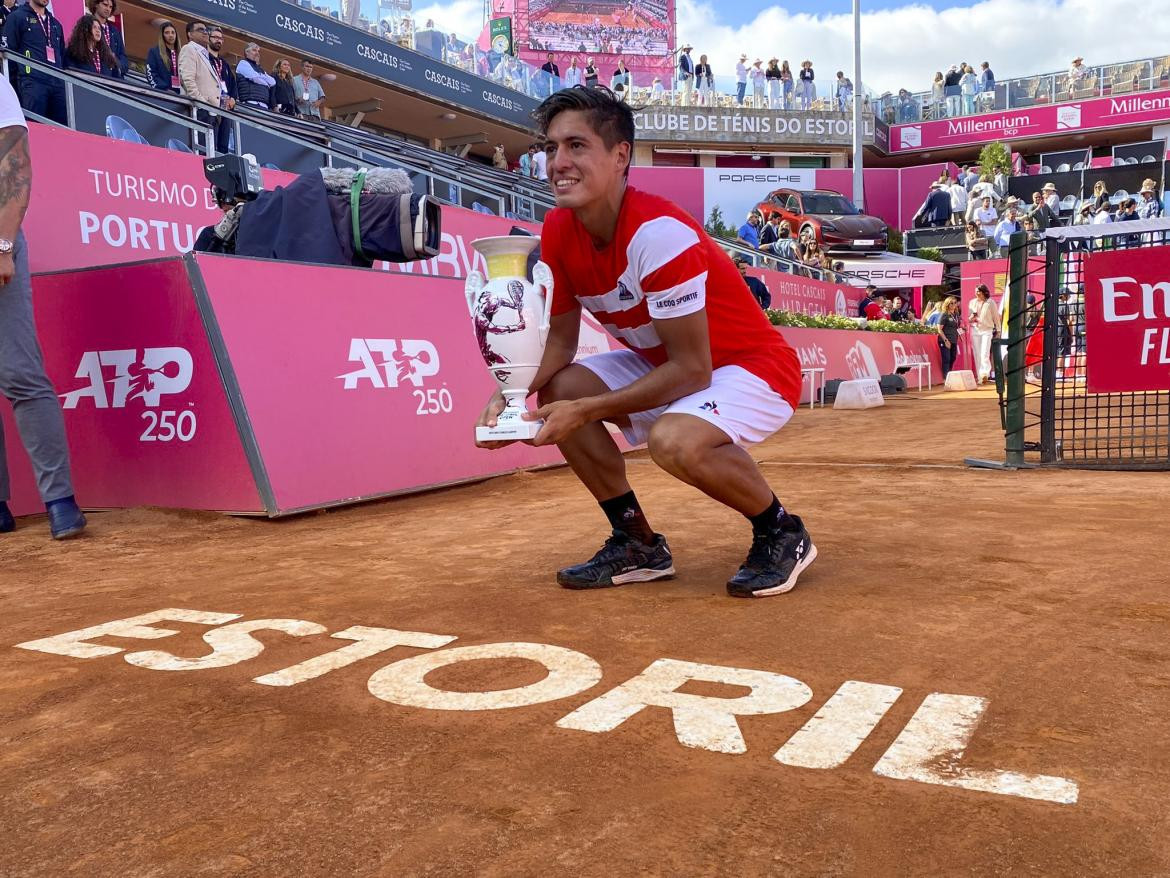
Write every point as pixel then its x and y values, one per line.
pixel 834 321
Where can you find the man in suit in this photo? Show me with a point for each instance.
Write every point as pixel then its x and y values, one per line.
pixel 196 75
pixel 552 74
pixel 686 73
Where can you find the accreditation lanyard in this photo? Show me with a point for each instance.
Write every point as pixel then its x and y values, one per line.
pixel 174 70
pixel 50 52
pixel 97 60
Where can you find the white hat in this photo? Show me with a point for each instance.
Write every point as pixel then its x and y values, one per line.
pixel 935 184
pixel 1148 188
pixel 742 57
pixel 686 46
pixel 1077 58
pixel 757 61
pixel 1047 186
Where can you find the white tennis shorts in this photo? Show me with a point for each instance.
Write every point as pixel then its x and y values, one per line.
pixel 739 403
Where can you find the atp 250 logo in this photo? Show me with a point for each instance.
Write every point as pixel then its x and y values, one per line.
pixel 114 379
pixel 391 362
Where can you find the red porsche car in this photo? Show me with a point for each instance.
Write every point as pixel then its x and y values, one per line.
pixel 839 227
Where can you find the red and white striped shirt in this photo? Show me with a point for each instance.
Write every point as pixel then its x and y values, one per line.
pixel 662 264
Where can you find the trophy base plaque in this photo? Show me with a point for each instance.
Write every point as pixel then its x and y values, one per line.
pixel 509 425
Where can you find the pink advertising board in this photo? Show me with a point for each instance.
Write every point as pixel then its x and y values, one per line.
pixel 807 296
pixel 356 383
pixel 846 354
pixel 145 410
pixel 1037 121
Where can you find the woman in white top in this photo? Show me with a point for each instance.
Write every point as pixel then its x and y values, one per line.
pixel 657 92
pixel 938 95
pixel 759 84
pixel 968 83
pixel 703 79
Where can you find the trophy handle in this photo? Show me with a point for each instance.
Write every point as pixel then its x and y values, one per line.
pixel 542 277
pixel 471 289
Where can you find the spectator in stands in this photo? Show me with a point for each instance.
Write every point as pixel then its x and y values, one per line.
pixel 931 314
pixel 162 61
pixel 197 77
pixel 253 84
pixel 1100 196
pixel 950 328
pixel 749 233
pixel 23 380
pixel 987 217
pixel 310 95
pixel 1102 215
pixel 31 30
pixel 1042 214
pixel 686 73
pixel 1008 226
pixel 1151 206
pixel 657 91
pixel 789 83
pixel 936 209
pixel 499 158
pixel 873 306
pixel 228 92
pixel 284 93
pixel 759 84
pixel 573 73
pixel 704 80
pixel 985 323
pixel 899 312
pixel 976 241
pixel 528 162
pixel 985 189
pixel 540 163
pixel 622 80
pixel 741 77
pixel 986 87
pixel 1084 216
pixel 968 177
pixel 959 199
pixel 590 73
pixel 1127 212
pixel 774 80
pixel 951 90
pixel 844 91
pixel 968 87
pixel 1052 199
pixel 87 50
pixel 1034 237
pixel 938 95
pixel 808 89
pixel 6 6
pixel 551 74
pixel 103 11
pixel 1077 74
pixel 756 287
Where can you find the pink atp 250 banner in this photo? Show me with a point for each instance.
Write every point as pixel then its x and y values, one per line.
pixel 1036 121
pixel 1127 320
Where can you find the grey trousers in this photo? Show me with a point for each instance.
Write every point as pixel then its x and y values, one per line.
pixel 23 381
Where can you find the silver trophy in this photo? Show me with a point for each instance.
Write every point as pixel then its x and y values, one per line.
pixel 511 320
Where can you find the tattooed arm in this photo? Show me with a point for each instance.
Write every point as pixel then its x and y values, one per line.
pixel 15 186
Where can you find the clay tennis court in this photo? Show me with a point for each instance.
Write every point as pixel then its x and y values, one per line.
pixel 1045 593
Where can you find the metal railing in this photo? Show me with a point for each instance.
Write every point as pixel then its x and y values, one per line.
pixel 791 266
pixel 463 186
pixel 1124 78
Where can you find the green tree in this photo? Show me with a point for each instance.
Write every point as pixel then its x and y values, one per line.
pixel 995 158
pixel 715 226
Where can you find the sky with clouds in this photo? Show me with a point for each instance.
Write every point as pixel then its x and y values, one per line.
pixel 903 44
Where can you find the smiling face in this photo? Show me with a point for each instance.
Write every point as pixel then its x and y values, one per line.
pixel 95 32
pixel 582 170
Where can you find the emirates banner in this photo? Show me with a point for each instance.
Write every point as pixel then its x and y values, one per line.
pixel 1127 320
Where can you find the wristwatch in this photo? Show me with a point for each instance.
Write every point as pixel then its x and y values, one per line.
pixel 5 245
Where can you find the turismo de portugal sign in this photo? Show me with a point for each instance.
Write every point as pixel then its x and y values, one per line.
pixel 1127 320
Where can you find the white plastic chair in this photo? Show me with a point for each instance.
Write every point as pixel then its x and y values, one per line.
pixel 1063 168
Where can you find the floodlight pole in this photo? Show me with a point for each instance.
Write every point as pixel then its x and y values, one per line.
pixel 858 126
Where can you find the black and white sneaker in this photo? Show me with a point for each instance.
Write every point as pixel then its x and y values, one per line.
pixel 622 559
pixel 774 562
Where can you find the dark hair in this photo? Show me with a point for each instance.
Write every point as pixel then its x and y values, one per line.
pixel 191 25
pixel 982 288
pixel 610 117
pixel 305 61
pixel 78 47
pixel 214 29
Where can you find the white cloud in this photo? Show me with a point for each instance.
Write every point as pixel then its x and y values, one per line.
pixel 902 48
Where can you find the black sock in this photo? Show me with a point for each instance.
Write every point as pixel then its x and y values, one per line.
pixel 626 515
pixel 772 518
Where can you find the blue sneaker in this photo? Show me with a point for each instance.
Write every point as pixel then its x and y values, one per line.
pixel 622 559
pixel 7 522
pixel 65 520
